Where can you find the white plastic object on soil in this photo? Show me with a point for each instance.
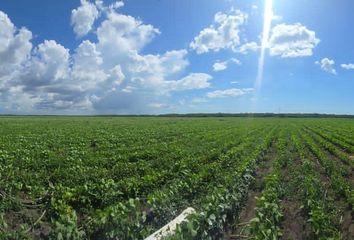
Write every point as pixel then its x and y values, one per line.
pixel 170 228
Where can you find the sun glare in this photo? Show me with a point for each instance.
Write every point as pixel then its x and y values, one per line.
pixel 267 21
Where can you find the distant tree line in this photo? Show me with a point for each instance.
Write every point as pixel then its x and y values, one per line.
pixel 278 115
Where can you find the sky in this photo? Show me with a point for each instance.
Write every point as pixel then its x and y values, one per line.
pixel 169 56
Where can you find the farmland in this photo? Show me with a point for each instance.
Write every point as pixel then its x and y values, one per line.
pixel 124 178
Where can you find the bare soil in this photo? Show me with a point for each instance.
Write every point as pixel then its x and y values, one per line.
pixel 294 225
pixel 249 211
pixel 16 218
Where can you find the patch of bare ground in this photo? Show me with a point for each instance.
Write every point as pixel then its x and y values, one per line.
pixel 346 220
pixel 294 224
pixel 16 219
pixel 31 216
pixel 249 211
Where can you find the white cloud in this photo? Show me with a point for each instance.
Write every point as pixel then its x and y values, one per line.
pixel 232 92
pixel 250 46
pixel 87 56
pixel 15 46
pixel 83 18
pixel 128 89
pixel 292 41
pixel 103 8
pixel 236 61
pixel 109 75
pixel 192 81
pixel 151 71
pixel 48 79
pixel 327 65
pixel 168 63
pixel 49 65
pixel 147 78
pixel 116 5
pixel 220 66
pixel 276 17
pixel 223 34
pixel 349 66
pixel 15 49
pixel 70 86
pixel 116 76
pixel 58 80
pixel 119 35
pixel 89 70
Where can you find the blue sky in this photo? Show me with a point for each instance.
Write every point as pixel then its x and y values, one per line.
pixel 163 56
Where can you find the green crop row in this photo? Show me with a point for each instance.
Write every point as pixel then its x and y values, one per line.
pixel 124 178
pixel 318 207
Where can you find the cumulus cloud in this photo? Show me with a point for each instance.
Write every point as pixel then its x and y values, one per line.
pixel 103 8
pixel 122 36
pixel 83 17
pixel 15 50
pixel 51 81
pixel 48 65
pixel 231 92
pixel 88 71
pixel 348 66
pixel 158 67
pixel 327 65
pixel 192 81
pixel 221 66
pixel 223 34
pixel 15 46
pixel 109 74
pixel 248 47
pixel 293 40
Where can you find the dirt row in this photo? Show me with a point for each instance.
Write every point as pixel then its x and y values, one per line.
pixel 238 230
pixel 294 224
pixel 344 211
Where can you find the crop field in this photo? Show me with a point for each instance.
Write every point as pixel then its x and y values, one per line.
pixel 126 177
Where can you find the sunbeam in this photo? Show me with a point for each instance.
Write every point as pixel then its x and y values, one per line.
pixel 268 15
